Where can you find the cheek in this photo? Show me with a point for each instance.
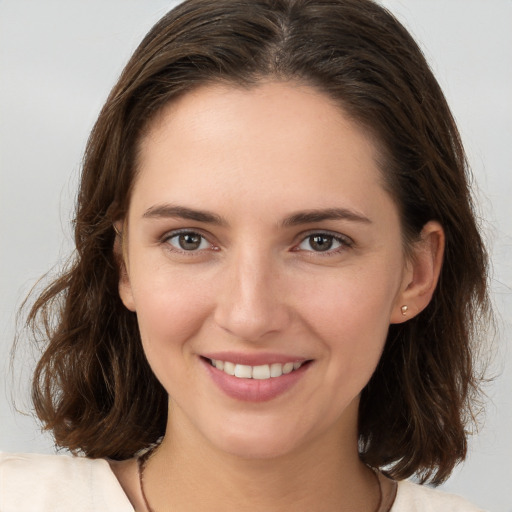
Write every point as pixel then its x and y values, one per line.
pixel 170 308
pixel 353 298
pixel 351 315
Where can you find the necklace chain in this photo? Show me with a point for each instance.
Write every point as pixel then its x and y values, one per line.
pixel 143 459
pixel 141 464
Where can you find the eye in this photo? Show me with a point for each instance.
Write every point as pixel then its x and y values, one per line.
pixel 188 241
pixel 323 242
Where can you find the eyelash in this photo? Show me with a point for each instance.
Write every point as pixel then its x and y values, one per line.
pixel 343 241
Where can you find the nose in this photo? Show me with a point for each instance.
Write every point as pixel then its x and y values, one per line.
pixel 252 304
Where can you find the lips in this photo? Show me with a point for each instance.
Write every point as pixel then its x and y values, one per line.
pixel 251 379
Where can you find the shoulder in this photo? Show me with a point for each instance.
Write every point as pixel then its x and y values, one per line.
pixel 412 497
pixel 41 483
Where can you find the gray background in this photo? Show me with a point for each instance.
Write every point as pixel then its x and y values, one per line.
pixel 58 60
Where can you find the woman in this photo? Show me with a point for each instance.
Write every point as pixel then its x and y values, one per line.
pixel 278 276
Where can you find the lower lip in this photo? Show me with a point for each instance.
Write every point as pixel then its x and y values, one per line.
pixel 254 390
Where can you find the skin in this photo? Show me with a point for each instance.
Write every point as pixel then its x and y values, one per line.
pixel 258 284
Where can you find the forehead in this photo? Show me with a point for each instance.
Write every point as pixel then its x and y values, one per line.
pixel 273 142
pixel 279 103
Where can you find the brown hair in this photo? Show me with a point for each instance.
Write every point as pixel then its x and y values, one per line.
pixel 93 386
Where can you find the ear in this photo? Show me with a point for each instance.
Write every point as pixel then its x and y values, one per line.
pixel 421 275
pixel 121 257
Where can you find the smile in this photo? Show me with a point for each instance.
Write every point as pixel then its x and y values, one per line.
pixel 260 372
pixel 255 378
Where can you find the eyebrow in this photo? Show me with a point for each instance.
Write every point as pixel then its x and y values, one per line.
pixel 304 217
pixel 182 212
pixel 312 216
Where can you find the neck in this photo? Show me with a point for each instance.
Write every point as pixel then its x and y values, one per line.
pixel 186 473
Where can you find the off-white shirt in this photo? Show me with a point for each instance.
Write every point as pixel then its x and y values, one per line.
pixel 61 483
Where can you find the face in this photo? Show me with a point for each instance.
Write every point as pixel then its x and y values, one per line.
pixel 261 242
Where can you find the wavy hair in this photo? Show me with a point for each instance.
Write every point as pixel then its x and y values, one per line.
pixel 93 386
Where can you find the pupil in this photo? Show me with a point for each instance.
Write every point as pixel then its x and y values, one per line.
pixel 321 242
pixel 189 241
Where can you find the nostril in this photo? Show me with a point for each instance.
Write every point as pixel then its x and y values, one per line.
pixel 252 320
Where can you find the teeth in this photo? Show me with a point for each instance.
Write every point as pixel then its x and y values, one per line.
pixel 288 367
pixel 276 370
pixel 229 368
pixel 261 372
pixel 243 372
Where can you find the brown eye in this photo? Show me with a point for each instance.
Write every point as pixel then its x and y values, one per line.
pixel 324 242
pixel 321 242
pixel 189 241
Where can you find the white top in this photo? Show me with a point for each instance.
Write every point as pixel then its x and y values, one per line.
pixel 61 483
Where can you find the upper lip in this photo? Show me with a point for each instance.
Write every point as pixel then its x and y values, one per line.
pixel 254 359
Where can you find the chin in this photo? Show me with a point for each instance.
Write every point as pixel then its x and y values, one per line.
pixel 259 441
pixel 258 449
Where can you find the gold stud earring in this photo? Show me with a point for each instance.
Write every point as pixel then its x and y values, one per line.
pixel 404 310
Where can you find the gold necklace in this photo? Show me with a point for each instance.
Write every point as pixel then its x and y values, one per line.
pixel 143 459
